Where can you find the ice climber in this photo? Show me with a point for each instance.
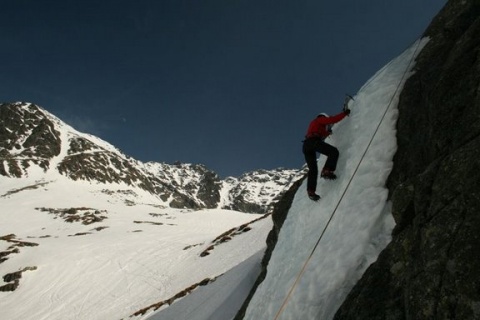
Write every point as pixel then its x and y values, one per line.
pixel 318 130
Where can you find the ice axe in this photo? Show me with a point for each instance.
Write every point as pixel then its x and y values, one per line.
pixel 347 100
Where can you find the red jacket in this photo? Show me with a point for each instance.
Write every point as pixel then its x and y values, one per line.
pixel 318 128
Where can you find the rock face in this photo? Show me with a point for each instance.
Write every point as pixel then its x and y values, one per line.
pixel 26 135
pixel 431 268
pixel 35 142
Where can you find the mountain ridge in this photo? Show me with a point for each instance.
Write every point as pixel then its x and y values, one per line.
pixel 36 142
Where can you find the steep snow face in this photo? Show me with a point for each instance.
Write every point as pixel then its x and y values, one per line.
pixel 34 142
pixel 323 248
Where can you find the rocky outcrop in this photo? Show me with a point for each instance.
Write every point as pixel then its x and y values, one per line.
pixel 430 268
pixel 26 137
pixel 194 180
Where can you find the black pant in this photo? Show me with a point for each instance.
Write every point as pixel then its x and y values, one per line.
pixel 310 148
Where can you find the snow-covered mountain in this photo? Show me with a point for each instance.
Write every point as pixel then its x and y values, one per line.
pixel 87 232
pixel 35 142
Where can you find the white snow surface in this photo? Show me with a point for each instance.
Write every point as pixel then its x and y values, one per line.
pixel 114 272
pixel 219 300
pixel 147 253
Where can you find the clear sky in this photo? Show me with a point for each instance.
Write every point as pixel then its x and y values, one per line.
pixel 231 84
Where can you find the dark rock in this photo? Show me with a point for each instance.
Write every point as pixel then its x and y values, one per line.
pixel 430 269
pixel 26 137
pixel 209 190
pixel 10 286
pixel 9 277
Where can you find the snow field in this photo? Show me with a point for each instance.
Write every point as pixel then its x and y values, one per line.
pixel 140 258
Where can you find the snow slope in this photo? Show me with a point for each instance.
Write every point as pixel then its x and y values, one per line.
pixel 219 300
pixel 137 252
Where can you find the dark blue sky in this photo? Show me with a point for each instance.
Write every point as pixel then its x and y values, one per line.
pixel 229 84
